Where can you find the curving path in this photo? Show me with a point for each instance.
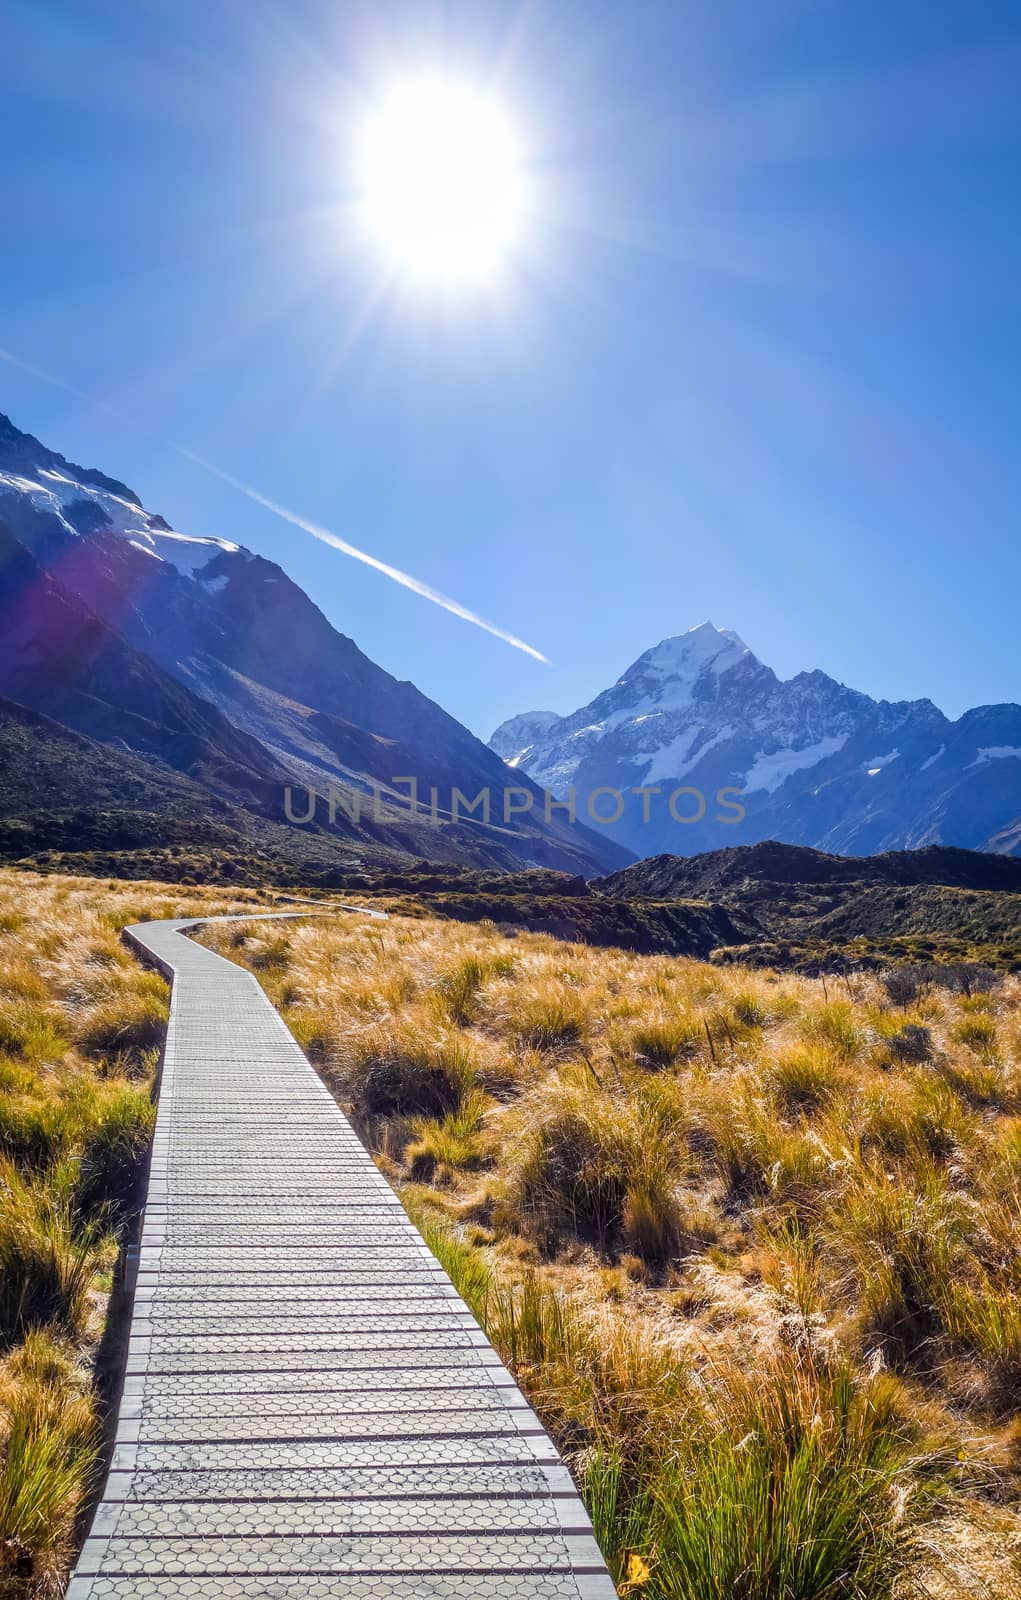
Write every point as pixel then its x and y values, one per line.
pixel 309 1408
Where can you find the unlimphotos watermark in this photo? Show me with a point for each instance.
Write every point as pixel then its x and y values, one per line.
pixel 490 807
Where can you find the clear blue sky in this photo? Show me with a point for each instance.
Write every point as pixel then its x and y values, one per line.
pixel 760 363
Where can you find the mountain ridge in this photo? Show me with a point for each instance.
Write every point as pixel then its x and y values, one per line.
pixel 809 760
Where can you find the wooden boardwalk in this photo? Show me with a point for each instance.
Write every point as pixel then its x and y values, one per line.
pixel 309 1408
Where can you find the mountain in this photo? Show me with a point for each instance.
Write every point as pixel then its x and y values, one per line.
pixel 804 760
pixel 203 657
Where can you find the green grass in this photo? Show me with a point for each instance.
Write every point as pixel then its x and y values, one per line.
pixel 441 1146
pixel 788 1488
pixel 47 1258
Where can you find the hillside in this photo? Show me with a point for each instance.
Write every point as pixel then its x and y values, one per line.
pixel 199 654
pixel 809 906
pixel 71 804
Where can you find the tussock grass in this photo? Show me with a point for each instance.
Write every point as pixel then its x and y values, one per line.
pixel 124 1027
pixel 661 1041
pixel 396 1071
pixel 796 1486
pixel 752 1246
pixel 81 1023
pixel 47 1263
pixel 801 1479
pixel 440 1147
pixel 595 1166
pixel 49 1446
pixel 459 989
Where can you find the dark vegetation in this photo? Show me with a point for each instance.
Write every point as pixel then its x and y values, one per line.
pixel 817 913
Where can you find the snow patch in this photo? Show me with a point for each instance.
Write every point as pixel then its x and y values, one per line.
pixel 772 768
pixel 931 762
pixel 42 498
pixel 59 492
pixel 876 763
pixel 995 752
pixel 675 665
pixel 677 758
pixel 187 553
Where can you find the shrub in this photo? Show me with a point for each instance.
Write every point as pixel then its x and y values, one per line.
pixel 904 984
pixel 912 1042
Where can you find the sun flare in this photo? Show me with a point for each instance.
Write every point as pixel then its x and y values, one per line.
pixel 441 181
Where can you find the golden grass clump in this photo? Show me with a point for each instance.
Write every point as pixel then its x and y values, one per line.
pixel 49 1447
pixel 751 1241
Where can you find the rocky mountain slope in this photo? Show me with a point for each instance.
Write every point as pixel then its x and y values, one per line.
pixel 201 656
pixel 806 760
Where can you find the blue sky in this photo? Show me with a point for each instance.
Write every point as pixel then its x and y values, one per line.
pixel 759 360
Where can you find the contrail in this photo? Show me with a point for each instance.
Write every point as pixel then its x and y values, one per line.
pixel 54 381
pixel 337 543
pixel 405 579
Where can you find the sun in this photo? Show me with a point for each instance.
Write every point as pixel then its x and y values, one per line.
pixel 441 181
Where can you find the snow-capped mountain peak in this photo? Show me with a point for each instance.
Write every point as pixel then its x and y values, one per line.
pixel 813 762
pixel 687 654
